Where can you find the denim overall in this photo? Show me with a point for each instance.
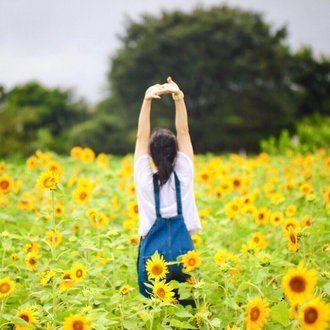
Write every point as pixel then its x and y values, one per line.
pixel 168 236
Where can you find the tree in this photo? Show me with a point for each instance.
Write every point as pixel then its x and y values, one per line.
pixel 233 67
pixel 32 116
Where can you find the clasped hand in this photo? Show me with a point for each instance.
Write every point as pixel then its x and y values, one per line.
pixel 155 91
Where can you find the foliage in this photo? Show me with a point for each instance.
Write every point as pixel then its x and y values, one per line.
pixel 312 133
pixel 241 257
pixel 33 116
pixel 233 67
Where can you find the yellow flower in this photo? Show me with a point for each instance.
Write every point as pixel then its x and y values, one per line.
pixel 55 167
pixel 76 322
pixel 290 210
pixel 67 281
pixel 26 202
pixel 257 313
pixel 290 224
pixel 125 289
pixel 98 219
pixel 156 267
pixel 32 162
pixel 299 283
pixel 47 276
pixel 59 210
pixel 262 216
pixel 78 272
pixel 6 287
pixel 306 221
pixel 32 247
pixel 221 256
pixel 191 260
pixel 29 315
pixel 196 240
pixel 306 189
pixel 31 261
pixel 277 198
pixel 75 152
pixel 293 243
pixel 47 181
pixel 315 315
pixel 6 183
pixel 293 311
pixel 87 155
pixel 276 218
pixel 53 238
pixel 102 160
pixel 163 291
pixel 327 196
pixel 82 195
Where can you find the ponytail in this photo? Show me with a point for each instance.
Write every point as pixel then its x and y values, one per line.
pixel 163 150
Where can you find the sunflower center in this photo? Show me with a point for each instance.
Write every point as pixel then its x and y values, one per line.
pixel 256 239
pixel 192 262
pixel 261 216
pixel 136 209
pixel 293 238
pixel 310 315
pixel 25 317
pixel 83 195
pixel 290 226
pixel 32 262
pixel 276 219
pixel 79 273
pixel 49 182
pixel 4 287
pixel 237 183
pixel 161 293
pixel 297 284
pixel 235 207
pixel 255 313
pixel 67 277
pixel 205 177
pixel 78 325
pixel 157 269
pixel 4 184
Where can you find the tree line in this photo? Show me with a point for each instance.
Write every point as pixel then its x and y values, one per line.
pixel 242 83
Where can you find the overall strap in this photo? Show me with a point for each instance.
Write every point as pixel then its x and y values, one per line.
pixel 177 192
pixel 156 193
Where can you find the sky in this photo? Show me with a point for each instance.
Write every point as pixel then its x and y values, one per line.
pixel 69 43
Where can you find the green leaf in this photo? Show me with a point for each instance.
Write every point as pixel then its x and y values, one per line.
pixel 183 313
pixel 280 313
pixel 181 325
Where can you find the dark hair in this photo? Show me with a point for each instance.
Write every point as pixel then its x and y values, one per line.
pixel 163 149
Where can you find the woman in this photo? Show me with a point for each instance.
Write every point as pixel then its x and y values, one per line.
pixel 167 207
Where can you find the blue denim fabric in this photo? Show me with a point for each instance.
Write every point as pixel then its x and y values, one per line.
pixel 168 236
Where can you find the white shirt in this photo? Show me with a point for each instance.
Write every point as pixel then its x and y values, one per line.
pixel 143 178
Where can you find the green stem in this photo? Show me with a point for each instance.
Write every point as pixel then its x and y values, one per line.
pixel 54 258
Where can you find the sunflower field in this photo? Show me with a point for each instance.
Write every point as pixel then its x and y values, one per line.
pixel 69 244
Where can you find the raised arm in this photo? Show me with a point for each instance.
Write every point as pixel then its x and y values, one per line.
pixel 143 131
pixel 181 119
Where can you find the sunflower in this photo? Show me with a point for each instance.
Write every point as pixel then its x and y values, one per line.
pixel 306 221
pixel 259 240
pixel 102 160
pixel 59 210
pixel 29 315
pixel 125 289
pixel 257 313
pixel 75 152
pixel 78 272
pixel 163 291
pixel 47 181
pixel 315 315
pixel 53 238
pixel 299 283
pixel 262 216
pixel 197 240
pixel 191 260
pixel 55 167
pixel 32 162
pixel 67 282
pixel 6 183
pixel 276 218
pixel 290 224
pixel 76 322
pixel 46 276
pixel 291 210
pixel 31 261
pixel 327 196
pixel 82 195
pixel 222 256
pixel 293 242
pixel 277 198
pixel 156 267
pixel 226 185
pixel 306 189
pixel 87 155
pixel 32 247
pixel 26 202
pixel 6 287
pixel 233 208
pixel 98 220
